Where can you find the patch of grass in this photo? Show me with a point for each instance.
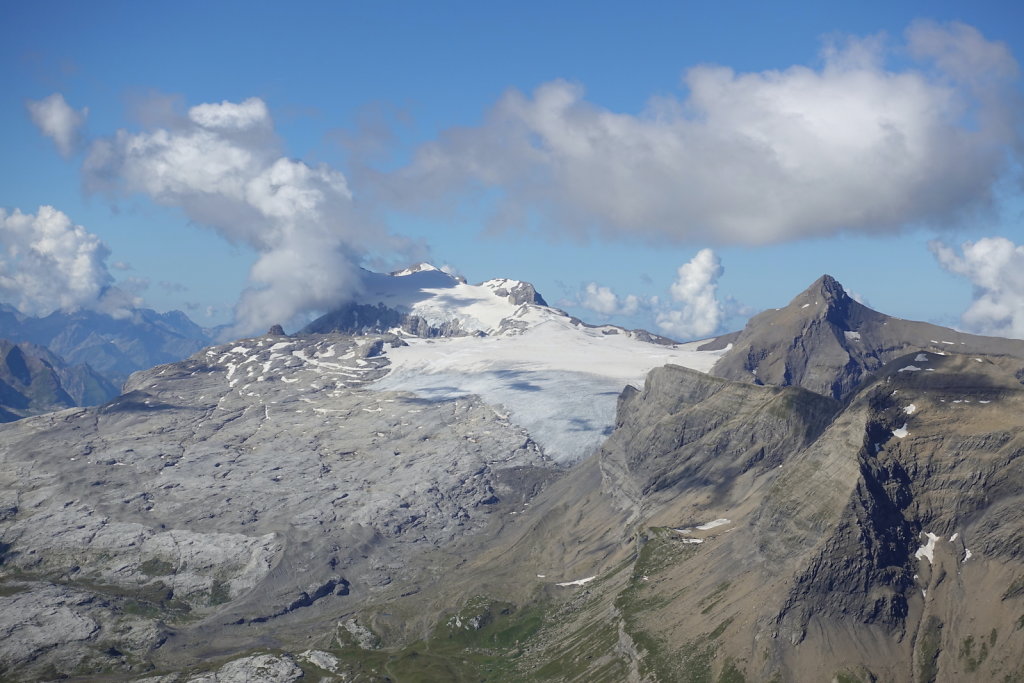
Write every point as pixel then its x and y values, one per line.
pixel 731 673
pixel 579 651
pixel 972 660
pixel 220 593
pixel 9 589
pixel 928 651
pixel 1015 589
pixel 661 547
pixel 709 601
pixel 720 629
pixel 481 642
pixel 153 600
pixel 156 567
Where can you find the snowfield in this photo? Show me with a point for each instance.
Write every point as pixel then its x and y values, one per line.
pixel 558 380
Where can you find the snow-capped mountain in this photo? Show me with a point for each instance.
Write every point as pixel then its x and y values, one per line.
pixel 349 502
pixel 499 340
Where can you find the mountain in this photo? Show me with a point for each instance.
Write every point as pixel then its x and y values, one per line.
pixel 391 507
pixel 827 342
pixel 33 381
pixel 113 347
pixel 498 340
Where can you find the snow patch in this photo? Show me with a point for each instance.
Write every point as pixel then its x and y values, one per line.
pixel 921 358
pixel 714 523
pixel 928 549
pixel 577 582
pixel 901 432
pixel 851 336
pixel 910 368
pixel 967 554
pixel 911 409
pixel 954 537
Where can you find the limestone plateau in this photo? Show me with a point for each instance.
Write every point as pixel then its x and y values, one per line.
pixel 454 482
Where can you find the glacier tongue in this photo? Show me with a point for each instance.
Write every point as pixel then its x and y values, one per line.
pixel 558 380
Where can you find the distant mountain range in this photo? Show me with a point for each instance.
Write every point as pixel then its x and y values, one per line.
pixel 460 483
pixel 96 352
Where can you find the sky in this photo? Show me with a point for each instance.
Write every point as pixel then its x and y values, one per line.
pixel 675 166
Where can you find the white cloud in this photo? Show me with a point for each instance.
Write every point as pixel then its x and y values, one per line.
pixel 47 263
pixel 995 268
pixel 604 301
pixel 749 158
pixel 223 166
pixel 695 289
pixel 58 121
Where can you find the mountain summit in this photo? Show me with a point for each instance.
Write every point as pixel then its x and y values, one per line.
pixel 827 342
pixel 424 301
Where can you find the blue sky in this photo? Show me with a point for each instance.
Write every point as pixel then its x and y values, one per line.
pixel 500 139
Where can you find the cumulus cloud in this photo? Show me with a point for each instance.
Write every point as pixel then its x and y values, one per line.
pixel 606 302
pixel 995 268
pixel 222 165
pixel 47 263
pixel 58 121
pixel 748 158
pixel 700 313
pixel 693 309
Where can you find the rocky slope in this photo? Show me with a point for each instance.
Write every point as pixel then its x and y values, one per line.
pixel 251 494
pixel 828 343
pixel 34 381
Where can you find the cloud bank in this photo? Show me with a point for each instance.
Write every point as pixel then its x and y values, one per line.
pixel 699 314
pixel 603 300
pixel 47 263
pixel 695 310
pixel 58 121
pixel 995 268
pixel 747 158
pixel 222 164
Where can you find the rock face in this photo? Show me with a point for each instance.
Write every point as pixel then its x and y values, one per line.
pixel 828 343
pixel 729 531
pixel 34 381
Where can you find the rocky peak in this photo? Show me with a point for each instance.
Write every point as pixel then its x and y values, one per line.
pixel 828 343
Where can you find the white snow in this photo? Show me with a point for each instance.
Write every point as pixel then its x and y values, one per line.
pixel 967 554
pixel 909 368
pixel 558 380
pixel 921 358
pixel 805 306
pixel 911 409
pixel 984 401
pixel 979 360
pixel 928 549
pixel 577 582
pixel 851 336
pixel 901 432
pixel 240 349
pixel 954 536
pixel 714 523
pixel 946 342
pixel 693 540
